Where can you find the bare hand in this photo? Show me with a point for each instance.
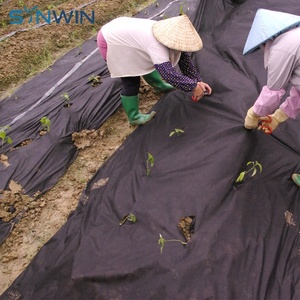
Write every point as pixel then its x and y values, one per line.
pixel 200 90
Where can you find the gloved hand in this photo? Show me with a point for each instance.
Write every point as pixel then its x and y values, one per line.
pixel 251 119
pixel 270 123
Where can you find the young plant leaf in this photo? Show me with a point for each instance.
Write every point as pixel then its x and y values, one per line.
pixel 149 163
pixel 179 130
pixel 5 138
pixel 2 134
pixel 46 123
pixel 254 172
pixel 161 242
pixel 151 159
pixel 255 166
pixel 176 130
pixel 132 218
pixel 259 165
pixel 66 96
pixel 241 177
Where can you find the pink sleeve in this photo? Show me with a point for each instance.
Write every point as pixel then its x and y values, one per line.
pixel 268 101
pixel 291 106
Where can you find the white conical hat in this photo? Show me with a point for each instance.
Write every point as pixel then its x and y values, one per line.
pixel 177 33
pixel 268 24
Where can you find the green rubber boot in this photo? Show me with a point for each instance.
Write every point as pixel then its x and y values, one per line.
pixel 155 80
pixel 296 178
pixel 131 107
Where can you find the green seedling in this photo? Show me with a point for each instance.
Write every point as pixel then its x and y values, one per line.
pixel 177 131
pixel 254 167
pixel 95 80
pixel 66 99
pixel 3 136
pixel 149 163
pixel 46 123
pixel 162 241
pixel 131 217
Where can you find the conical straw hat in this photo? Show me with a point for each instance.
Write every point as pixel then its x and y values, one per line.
pixel 268 24
pixel 177 33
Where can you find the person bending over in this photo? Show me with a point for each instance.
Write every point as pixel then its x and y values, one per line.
pixel 135 47
pixel 278 35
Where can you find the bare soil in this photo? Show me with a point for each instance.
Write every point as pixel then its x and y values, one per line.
pixel 40 220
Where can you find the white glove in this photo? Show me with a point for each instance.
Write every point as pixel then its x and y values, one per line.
pixel 251 120
pixel 270 123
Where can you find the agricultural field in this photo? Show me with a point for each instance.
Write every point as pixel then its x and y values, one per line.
pixel 27 50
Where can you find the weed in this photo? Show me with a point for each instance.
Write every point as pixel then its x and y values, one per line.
pixel 74 35
pixel 255 166
pixel 3 23
pixel 46 123
pixel 3 136
pixel 149 163
pixel 31 63
pixel 94 31
pixel 162 241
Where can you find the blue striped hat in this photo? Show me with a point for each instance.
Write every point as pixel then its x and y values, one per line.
pixel 268 24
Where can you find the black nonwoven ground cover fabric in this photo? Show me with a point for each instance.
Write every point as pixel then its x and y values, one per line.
pixel 243 245
pixel 38 165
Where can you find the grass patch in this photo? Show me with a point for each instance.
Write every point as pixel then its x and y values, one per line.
pixel 29 65
pixel 33 62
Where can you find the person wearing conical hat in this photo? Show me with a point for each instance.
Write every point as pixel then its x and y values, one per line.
pixel 278 34
pixel 135 47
